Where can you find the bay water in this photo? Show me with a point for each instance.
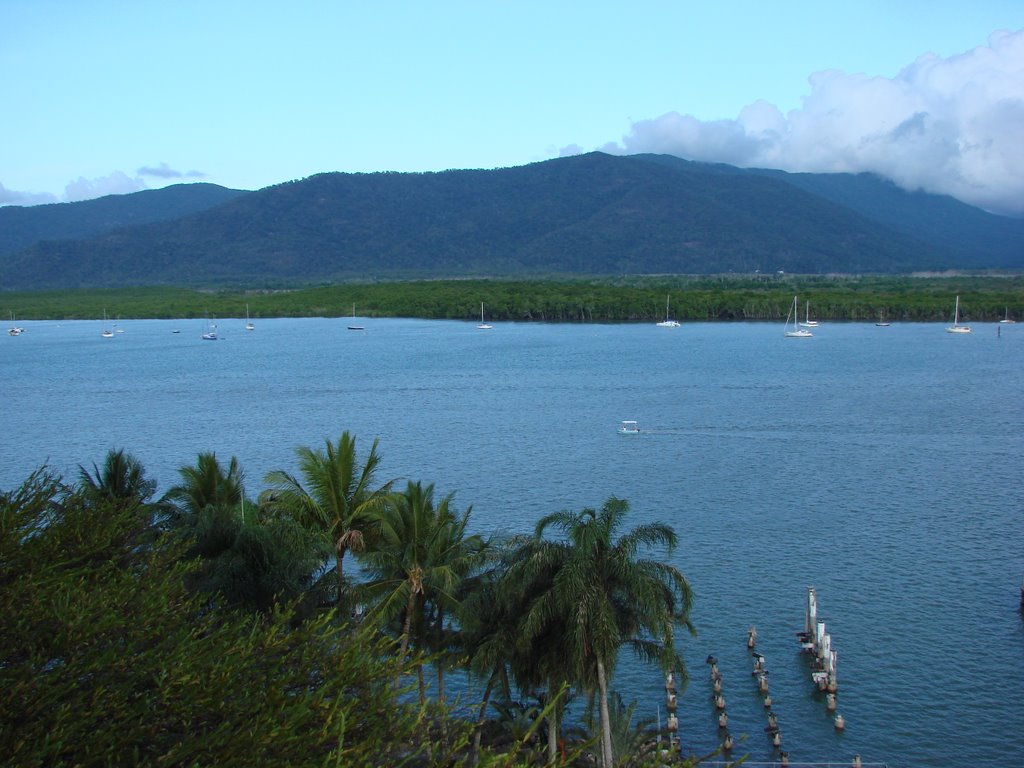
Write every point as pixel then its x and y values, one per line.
pixel 880 465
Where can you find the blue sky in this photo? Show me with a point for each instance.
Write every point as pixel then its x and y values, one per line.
pixel 103 96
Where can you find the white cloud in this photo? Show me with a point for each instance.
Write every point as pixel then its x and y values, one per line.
pixel 14 197
pixel 116 183
pixel 950 126
pixel 164 171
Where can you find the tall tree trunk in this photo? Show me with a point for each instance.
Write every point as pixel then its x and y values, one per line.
pixel 441 657
pixel 410 608
pixel 481 716
pixel 406 630
pixel 606 725
pixel 339 567
pixel 552 714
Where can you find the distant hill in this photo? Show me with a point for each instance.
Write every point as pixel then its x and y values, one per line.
pixel 22 227
pixel 590 214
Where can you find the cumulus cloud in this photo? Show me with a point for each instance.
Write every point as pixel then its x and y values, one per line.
pixel 116 183
pixel 14 197
pixel 950 126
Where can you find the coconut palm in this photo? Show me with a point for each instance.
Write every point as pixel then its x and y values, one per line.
pixel 336 496
pixel 121 479
pixel 208 484
pixel 256 564
pixel 421 556
pixel 607 597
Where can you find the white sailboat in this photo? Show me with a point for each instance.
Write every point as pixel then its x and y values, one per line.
pixel 956 327
pixel 248 323
pixel 210 334
pixel 15 329
pixel 355 327
pixel 796 332
pixel 1006 320
pixel 668 322
pixel 882 322
pixel 483 326
pixel 106 333
pixel 808 323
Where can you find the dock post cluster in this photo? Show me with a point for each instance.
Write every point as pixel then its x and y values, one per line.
pixel 816 641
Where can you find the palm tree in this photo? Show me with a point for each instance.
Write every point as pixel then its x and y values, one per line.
pixel 122 479
pixel 338 500
pixel 420 558
pixel 207 484
pixel 607 597
pixel 521 634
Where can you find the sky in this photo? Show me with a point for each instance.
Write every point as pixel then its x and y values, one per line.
pixel 115 96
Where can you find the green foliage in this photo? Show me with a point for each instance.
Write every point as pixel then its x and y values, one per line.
pixel 634 742
pixel 335 497
pixel 420 558
pixel 258 566
pixel 108 660
pixel 199 638
pixel 208 484
pixel 122 479
pixel 599 596
pixel 594 300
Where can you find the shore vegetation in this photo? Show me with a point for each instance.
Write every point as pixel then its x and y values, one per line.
pixel 598 300
pixel 215 624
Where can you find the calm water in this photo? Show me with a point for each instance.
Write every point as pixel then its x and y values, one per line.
pixel 881 465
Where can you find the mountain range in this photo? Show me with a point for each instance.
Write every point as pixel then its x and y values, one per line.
pixel 592 214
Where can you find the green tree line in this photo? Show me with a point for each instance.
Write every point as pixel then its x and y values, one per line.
pixel 210 626
pixel 599 300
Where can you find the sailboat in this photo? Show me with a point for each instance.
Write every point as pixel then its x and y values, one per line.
pixel 808 323
pixel 210 334
pixel 796 332
pixel 106 333
pixel 355 327
pixel 956 327
pixel 248 323
pixel 882 322
pixel 483 326
pixel 1007 319
pixel 15 329
pixel 668 322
